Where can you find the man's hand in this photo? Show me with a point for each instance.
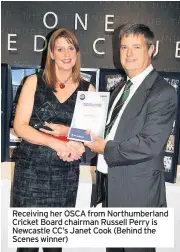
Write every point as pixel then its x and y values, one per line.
pixel 97 145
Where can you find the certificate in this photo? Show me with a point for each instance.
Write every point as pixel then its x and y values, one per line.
pixel 89 114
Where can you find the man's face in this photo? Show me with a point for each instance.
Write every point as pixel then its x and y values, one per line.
pixel 135 56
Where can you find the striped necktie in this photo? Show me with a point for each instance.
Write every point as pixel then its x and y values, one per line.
pixel 118 107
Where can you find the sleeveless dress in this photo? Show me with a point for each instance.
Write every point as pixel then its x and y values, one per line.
pixel 41 179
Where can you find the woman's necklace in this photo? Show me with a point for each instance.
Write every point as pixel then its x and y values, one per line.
pixel 62 84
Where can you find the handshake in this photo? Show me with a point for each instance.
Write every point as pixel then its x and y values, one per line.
pixel 71 151
pixel 67 151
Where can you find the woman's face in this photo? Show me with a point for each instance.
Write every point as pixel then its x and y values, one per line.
pixel 64 54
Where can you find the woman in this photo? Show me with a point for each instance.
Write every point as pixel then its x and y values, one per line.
pixel 41 177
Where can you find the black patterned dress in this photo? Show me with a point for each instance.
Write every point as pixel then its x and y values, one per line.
pixel 41 179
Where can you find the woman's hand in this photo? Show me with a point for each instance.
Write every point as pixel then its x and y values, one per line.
pixel 65 154
pixel 57 129
pixel 75 151
pixel 61 148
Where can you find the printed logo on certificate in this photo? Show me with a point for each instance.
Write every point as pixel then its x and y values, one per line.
pixel 89 114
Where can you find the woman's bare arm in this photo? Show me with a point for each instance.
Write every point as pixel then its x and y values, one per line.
pixel 23 115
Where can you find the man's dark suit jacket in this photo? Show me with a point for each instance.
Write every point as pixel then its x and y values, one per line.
pixel 135 156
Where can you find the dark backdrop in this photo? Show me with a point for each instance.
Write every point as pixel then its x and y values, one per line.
pixel 26 20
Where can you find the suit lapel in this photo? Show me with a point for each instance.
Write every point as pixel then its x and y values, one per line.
pixel 115 93
pixel 138 99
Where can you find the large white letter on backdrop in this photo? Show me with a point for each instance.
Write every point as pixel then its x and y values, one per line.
pixel 35 43
pixel 94 46
pixel 177 53
pixel 11 41
pixel 84 25
pixel 108 22
pixel 156 48
pixel 55 17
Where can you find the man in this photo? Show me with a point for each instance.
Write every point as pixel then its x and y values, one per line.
pixel 136 134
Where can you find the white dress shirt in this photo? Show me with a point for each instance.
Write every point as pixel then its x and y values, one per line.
pixel 137 80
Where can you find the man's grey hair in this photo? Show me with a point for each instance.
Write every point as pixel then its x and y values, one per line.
pixel 137 29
